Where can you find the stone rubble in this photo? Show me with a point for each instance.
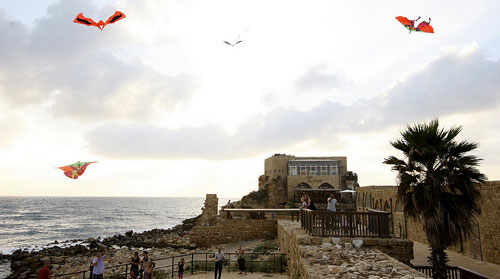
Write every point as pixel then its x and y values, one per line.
pixel 339 258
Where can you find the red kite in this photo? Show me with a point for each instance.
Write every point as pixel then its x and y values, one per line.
pixel 424 26
pixel 89 22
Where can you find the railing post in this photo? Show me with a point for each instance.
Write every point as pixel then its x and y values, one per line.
pixel 251 262
pixel 126 271
pixel 192 263
pixel 281 264
pixel 84 274
pixel 274 262
pixel 91 272
pixel 350 224
pixel 173 259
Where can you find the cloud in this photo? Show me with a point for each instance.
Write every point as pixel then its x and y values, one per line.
pixel 317 78
pixel 74 67
pixel 454 83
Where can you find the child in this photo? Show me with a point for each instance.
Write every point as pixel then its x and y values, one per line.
pixel 181 268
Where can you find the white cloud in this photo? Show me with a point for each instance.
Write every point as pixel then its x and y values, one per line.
pixel 317 78
pixel 75 65
pixel 463 82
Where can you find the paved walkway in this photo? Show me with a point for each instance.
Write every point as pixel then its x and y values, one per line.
pixel 421 252
pixel 237 276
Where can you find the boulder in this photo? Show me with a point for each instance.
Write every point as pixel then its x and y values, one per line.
pixel 358 243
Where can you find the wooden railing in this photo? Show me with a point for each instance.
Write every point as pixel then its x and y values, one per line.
pixel 262 213
pixel 452 272
pixel 348 223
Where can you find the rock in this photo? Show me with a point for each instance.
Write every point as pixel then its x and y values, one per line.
pixel 336 240
pixel 338 246
pixel 358 243
pixel 348 246
pixel 129 233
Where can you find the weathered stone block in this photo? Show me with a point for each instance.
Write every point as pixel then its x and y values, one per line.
pixel 316 240
pixel 371 242
pixel 382 242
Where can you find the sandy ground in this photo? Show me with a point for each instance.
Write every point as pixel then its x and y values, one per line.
pixel 421 252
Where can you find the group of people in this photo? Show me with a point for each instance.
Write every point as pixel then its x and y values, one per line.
pixel 146 270
pixel 307 202
pixel 219 261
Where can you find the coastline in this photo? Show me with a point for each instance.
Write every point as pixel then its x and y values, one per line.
pixel 75 255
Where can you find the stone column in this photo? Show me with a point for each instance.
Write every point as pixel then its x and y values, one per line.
pixel 209 214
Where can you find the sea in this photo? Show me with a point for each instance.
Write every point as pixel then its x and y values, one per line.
pixel 35 222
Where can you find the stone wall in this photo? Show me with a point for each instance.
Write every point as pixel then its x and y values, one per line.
pixel 232 230
pixel 483 244
pixel 317 257
pixel 489 222
pixel 209 211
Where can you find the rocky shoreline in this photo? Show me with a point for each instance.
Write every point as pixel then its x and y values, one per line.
pixel 24 264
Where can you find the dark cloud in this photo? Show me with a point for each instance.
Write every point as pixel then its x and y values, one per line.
pixel 73 66
pixel 451 84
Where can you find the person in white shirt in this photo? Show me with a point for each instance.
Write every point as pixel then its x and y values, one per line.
pixel 98 264
pixel 332 203
pixel 219 258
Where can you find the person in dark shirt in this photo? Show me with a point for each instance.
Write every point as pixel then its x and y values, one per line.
pixel 134 264
pixel 44 272
pixel 181 268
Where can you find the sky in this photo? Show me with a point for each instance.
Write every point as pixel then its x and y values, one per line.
pixel 168 109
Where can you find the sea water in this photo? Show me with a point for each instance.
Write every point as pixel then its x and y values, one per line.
pixel 34 222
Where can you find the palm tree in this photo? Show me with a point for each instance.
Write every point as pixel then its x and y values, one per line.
pixel 438 185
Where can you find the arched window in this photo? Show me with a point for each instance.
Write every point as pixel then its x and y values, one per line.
pixel 398 207
pixel 387 207
pixel 368 199
pixel 326 186
pixel 377 205
pixel 303 185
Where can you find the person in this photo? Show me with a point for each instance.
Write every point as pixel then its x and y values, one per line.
pixel 332 203
pixel 304 203
pixel 241 259
pixel 181 268
pixel 219 258
pixel 98 264
pixel 309 204
pixel 134 265
pixel 144 262
pixel 44 271
pixel 149 270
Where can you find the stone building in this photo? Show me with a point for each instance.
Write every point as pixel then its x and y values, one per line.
pixel 286 177
pixel 483 244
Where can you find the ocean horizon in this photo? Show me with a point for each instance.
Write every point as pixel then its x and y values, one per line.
pixel 36 221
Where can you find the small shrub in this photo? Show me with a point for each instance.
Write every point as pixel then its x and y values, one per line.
pixel 266 247
pixel 259 196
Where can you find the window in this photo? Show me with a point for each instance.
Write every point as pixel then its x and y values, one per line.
pixel 292 170
pixel 313 169
pixel 334 170
pixel 323 169
pixel 303 170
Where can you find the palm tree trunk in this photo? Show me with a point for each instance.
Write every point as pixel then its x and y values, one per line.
pixel 438 260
